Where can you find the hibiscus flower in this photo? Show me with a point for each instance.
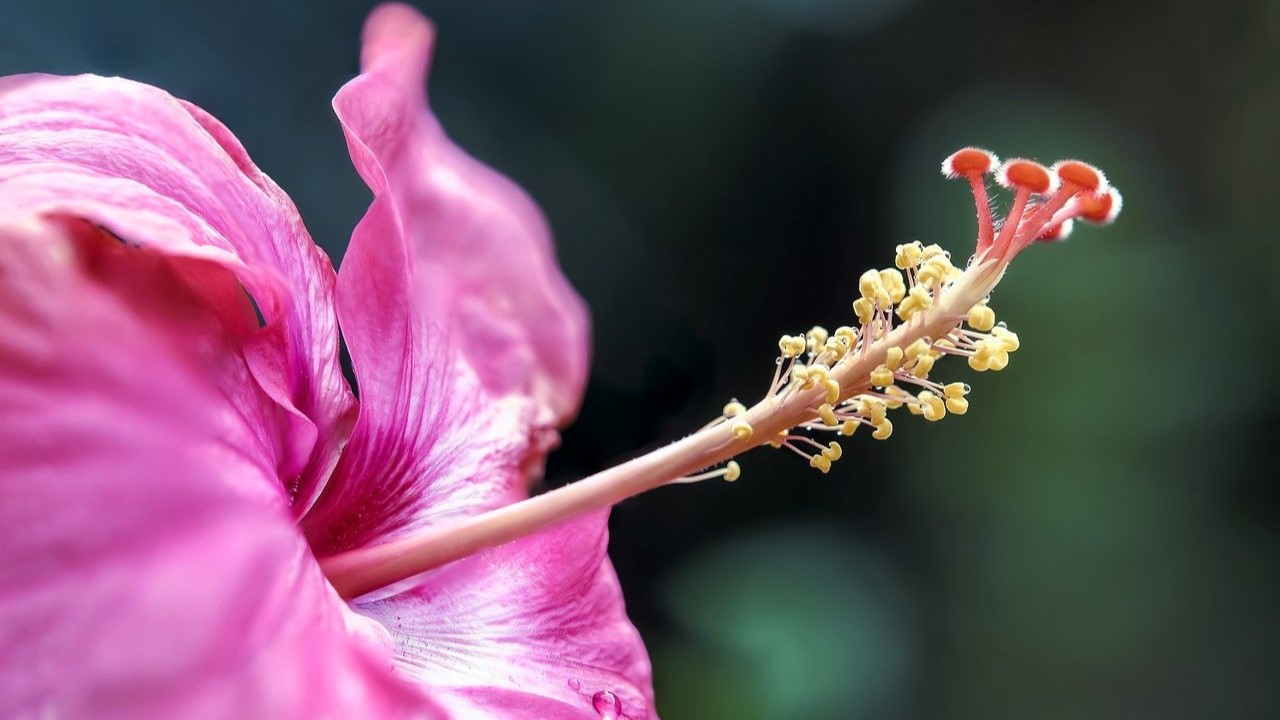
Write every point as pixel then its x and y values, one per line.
pixel 179 445
pixel 198 517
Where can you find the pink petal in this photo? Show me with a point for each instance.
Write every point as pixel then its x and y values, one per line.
pixel 536 628
pixel 159 172
pixel 469 345
pixel 201 302
pixel 152 569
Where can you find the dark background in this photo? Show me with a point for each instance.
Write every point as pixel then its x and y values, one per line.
pixel 1097 538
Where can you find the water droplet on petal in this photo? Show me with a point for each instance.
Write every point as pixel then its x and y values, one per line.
pixel 575 684
pixel 607 705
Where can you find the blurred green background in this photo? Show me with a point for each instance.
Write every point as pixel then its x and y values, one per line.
pixel 1097 538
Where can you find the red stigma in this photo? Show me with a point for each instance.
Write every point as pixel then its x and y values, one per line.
pixel 1046 201
pixel 1026 174
pixel 1085 175
pixel 1100 209
pixel 969 161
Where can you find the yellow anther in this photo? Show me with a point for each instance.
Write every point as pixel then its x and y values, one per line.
pixel 873 408
pixel 934 270
pixel 934 409
pixel 869 284
pixel 897 396
pixel 908 256
pixel 915 408
pixel 981 317
pixel 918 299
pixel 833 390
pixel 932 251
pixel 741 429
pixel 847 335
pixel 882 377
pixel 849 427
pixel 923 366
pixel 918 348
pixel 989 354
pixel 958 405
pixel 734 408
pixel 894 284
pixel 828 415
pixel 833 451
pixel 791 345
pixel 1008 339
pixel 955 390
pixel 821 463
pixel 996 350
pixel 884 300
pixel 732 471
pixel 927 276
pixel 780 438
pixel 799 373
pixel 893 358
pixel 884 429
pixel 985 348
pixel 818 375
pixel 816 337
pixel 865 310
pixel 837 346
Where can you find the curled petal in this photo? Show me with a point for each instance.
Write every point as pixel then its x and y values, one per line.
pixel 152 568
pixel 541 625
pixel 468 344
pixel 158 172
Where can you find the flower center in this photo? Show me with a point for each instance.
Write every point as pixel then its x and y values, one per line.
pixel 909 317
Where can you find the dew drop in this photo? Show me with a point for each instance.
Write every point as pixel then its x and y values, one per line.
pixel 575 684
pixel 607 705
